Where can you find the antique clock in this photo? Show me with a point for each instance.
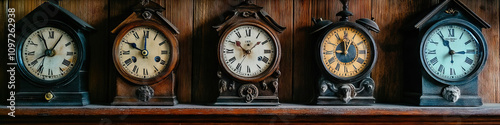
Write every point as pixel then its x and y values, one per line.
pixel 51 56
pixel 345 54
pixel 249 55
pixel 145 54
pixel 452 53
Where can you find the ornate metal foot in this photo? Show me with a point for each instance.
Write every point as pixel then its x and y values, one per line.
pixel 451 93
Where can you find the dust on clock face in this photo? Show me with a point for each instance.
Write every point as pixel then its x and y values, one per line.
pixel 248 51
pixel 451 52
pixel 144 52
pixel 49 53
pixel 345 52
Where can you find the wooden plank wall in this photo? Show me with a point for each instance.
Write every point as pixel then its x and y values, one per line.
pixel 196 73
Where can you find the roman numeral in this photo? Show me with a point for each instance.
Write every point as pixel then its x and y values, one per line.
pixel 67 44
pixel 468 42
pixel 163 42
pixel 337 67
pixel 434 61
pixel 238 34
pixel 40 69
pixel 360 42
pixel 232 60
pixel 432 41
pixel 229 51
pixel 135 69
pixel 345 69
pixel 258 66
pixel 257 36
pixel 330 43
pixel 30 53
pixel 231 42
pixel 432 52
pixel 32 43
pixel 452 71
pixel 267 51
pixel 34 62
pixel 471 51
pixel 331 60
pixel 162 62
pixel 266 41
pixel 469 61
pixel 51 34
pixel 337 35
pixel 248 69
pixel 362 51
pixel 353 36
pixel 135 35
pixel 265 59
pixel 329 52
pixel 66 62
pixel 144 71
pixel 156 69
pixel 164 52
pixel 441 69
pixel 155 36
pixel 440 34
pixel 461 35
pixel 146 34
pixel 69 53
pixel 354 67
pixel 50 72
pixel 238 67
pixel 60 69
pixel 128 61
pixel 451 32
pixel 360 61
pixel 248 32
pixel 463 68
pixel 126 52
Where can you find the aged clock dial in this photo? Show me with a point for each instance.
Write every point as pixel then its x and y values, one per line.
pixel 345 52
pixel 248 51
pixel 451 52
pixel 49 53
pixel 144 52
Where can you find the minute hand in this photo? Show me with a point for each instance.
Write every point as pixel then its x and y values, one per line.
pixel 133 45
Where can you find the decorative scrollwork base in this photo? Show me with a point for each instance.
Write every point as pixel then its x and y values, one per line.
pixel 144 93
pixel 249 91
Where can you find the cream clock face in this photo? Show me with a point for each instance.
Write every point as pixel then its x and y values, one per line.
pixel 346 52
pixel 49 53
pixel 144 52
pixel 451 52
pixel 248 51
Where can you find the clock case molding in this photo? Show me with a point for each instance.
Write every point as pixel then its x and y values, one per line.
pixel 424 89
pixel 234 90
pixel 129 88
pixel 70 89
pixel 333 90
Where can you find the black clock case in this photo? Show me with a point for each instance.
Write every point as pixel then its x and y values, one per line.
pixel 420 88
pixel 362 80
pixel 72 88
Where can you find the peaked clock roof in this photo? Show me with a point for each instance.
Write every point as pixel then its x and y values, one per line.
pixel 55 12
pixel 156 11
pixel 248 9
pixel 456 5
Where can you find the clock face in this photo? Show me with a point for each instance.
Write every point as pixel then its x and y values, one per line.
pixel 346 52
pixel 144 52
pixel 451 52
pixel 248 51
pixel 49 53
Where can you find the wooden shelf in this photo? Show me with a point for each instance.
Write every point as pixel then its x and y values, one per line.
pixel 378 113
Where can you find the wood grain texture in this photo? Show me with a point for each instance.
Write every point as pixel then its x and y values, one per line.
pixel 489 79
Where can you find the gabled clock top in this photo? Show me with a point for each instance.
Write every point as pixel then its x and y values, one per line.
pixel 451 8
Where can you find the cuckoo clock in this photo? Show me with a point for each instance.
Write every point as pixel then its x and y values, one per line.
pixel 249 55
pixel 51 57
pixel 145 54
pixel 345 54
pixel 451 51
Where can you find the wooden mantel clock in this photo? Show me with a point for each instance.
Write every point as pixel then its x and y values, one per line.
pixel 51 52
pixel 345 54
pixel 249 55
pixel 452 53
pixel 145 54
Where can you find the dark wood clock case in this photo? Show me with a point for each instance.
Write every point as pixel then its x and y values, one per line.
pixel 69 90
pixel 332 90
pixel 154 91
pixel 259 90
pixel 420 87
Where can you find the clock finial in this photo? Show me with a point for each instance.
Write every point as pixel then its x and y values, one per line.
pixel 144 2
pixel 344 13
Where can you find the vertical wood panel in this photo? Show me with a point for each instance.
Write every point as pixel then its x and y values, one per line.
pixel 489 77
pixel 180 13
pixel 3 32
pixel 282 12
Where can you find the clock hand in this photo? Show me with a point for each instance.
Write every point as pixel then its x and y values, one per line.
pixel 57 42
pixel 40 57
pixel 133 45
pixel 145 40
pixel 463 52
pixel 250 50
pixel 346 45
pixel 445 42
pixel 238 43
pixel 43 39
pixel 338 51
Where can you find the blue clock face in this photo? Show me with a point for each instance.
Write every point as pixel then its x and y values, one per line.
pixel 451 52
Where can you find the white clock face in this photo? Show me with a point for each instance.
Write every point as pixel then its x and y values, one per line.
pixel 451 52
pixel 248 51
pixel 49 53
pixel 144 52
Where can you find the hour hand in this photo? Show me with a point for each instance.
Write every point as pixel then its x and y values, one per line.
pixel 133 45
